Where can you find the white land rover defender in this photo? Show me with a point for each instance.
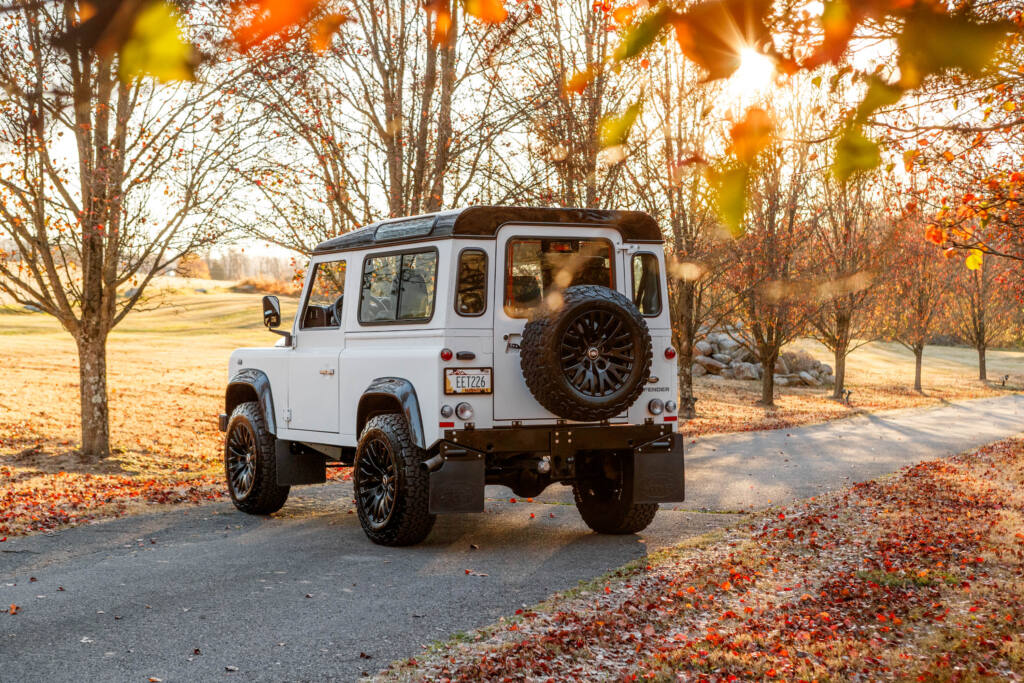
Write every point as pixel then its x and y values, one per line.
pixel 441 353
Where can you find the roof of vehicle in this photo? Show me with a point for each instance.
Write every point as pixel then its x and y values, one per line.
pixel 484 221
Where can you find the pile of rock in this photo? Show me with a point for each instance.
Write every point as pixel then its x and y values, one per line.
pixel 720 356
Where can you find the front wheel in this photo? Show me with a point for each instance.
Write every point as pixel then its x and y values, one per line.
pixel 391 485
pixel 605 501
pixel 250 464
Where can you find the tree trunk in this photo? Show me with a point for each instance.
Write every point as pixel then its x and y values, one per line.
pixel 840 358
pixel 918 355
pixel 768 379
pixel 92 374
pixel 982 374
pixel 686 333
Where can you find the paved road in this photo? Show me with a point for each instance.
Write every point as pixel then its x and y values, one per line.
pixel 185 594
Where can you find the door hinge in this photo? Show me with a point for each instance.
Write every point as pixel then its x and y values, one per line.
pixel 288 415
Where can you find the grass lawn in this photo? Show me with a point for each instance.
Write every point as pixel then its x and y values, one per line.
pixel 916 576
pixel 880 375
pixel 167 371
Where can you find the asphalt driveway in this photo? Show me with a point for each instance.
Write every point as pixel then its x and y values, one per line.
pixel 208 593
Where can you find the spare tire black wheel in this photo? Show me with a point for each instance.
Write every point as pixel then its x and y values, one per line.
pixel 589 359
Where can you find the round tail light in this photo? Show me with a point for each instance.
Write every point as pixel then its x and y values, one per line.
pixel 446 354
pixel 670 353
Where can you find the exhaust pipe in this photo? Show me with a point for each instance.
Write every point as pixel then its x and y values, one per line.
pixel 433 464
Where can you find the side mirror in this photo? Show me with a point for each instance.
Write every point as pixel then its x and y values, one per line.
pixel 271 311
pixel 272 317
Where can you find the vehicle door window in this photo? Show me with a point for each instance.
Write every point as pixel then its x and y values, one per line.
pixel 471 285
pixel 323 305
pixel 646 284
pixel 398 287
pixel 536 268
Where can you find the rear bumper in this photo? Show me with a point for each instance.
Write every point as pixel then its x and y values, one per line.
pixel 656 450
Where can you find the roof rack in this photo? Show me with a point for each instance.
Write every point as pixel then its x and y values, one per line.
pixel 484 222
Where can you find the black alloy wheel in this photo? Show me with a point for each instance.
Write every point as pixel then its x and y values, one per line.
pixel 241 456
pixel 391 486
pixel 588 359
pixel 250 462
pixel 597 353
pixel 378 474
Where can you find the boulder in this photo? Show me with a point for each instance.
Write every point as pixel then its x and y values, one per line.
pixel 828 380
pixel 703 348
pixel 727 343
pixel 743 370
pixel 826 368
pixel 809 379
pixel 780 366
pixel 723 358
pixel 710 364
pixel 727 373
pixel 798 361
pixel 697 370
pixel 780 380
pixel 741 353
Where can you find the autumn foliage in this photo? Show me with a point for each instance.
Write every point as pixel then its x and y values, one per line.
pixel 915 577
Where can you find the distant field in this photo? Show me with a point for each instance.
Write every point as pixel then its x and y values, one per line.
pixel 167 371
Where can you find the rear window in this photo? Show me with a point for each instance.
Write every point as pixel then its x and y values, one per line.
pixel 537 268
pixel 398 287
pixel 646 284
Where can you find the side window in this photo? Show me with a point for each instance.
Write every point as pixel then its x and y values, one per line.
pixel 398 287
pixel 326 293
pixel 471 286
pixel 646 284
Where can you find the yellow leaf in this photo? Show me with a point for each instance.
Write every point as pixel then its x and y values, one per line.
pixel 974 258
pixel 156 47
pixel 615 128
pixel 1010 106
pixel 489 11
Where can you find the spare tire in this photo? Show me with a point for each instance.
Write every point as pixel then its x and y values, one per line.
pixel 589 359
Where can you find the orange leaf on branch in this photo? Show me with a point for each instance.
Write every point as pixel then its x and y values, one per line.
pixel 751 135
pixel 487 11
pixel 270 18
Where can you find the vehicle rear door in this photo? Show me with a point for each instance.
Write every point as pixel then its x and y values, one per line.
pixel 519 278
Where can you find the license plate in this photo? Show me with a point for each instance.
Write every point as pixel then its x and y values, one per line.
pixel 467 380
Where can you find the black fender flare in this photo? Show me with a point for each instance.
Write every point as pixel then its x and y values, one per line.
pixel 390 395
pixel 251 384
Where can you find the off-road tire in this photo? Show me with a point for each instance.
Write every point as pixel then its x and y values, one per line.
pixel 607 505
pixel 265 496
pixel 541 360
pixel 410 521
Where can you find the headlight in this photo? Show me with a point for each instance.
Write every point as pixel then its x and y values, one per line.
pixel 670 406
pixel 447 410
pixel 464 411
pixel 655 407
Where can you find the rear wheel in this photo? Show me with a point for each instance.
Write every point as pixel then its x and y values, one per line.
pixel 250 464
pixel 391 485
pixel 605 501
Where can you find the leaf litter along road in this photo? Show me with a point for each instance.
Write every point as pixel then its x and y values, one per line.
pixel 150 589
pixel 915 576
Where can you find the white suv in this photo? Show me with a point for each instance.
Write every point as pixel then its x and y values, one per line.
pixel 441 353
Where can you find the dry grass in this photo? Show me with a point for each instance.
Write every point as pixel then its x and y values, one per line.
pixel 880 375
pixel 167 370
pixel 266 285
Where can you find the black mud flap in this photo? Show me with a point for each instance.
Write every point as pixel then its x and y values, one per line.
pixel 297 465
pixel 457 486
pixel 658 475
